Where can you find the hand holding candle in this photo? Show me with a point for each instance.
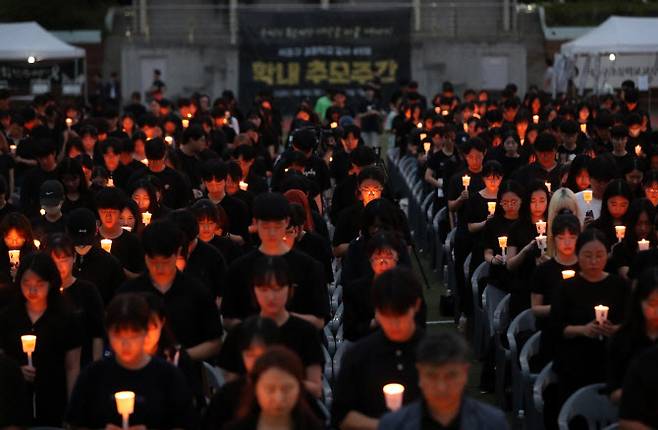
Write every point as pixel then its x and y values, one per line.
pixel 106 244
pixel 37 243
pixel 491 206
pixel 620 230
pixel 583 128
pixel 110 182
pixel 535 119
pixel 643 245
pixel 146 218
pixel 541 227
pixel 427 146
pixel 541 243
pixel 69 122
pixel 638 150
pixel 244 186
pixel 568 274
pixel 14 256
pixel 601 313
pixel 502 242
pixel 185 122
pixel 29 342
pixel 393 395
pixel 466 181
pixel 125 401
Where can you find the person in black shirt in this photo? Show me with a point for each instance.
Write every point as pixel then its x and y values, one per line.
pixel 580 353
pixel 46 169
pixel 111 151
pixel 192 144
pixel 245 155
pixel 56 359
pixel 272 290
pixel 637 333
pixel 214 174
pixel 616 199
pixel 191 309
pixel 14 401
pixel 278 370
pixel 443 365
pixel 211 220
pixel 81 296
pixel 546 168
pixel 386 356
pixel 346 191
pixel 5 206
pixel 162 398
pixel 16 235
pixel 125 245
pixel 639 408
pixel 76 192
pixel 310 298
pixel 201 260
pixel 52 220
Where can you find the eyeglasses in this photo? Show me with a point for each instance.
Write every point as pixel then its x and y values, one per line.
pixel 510 203
pixel 371 191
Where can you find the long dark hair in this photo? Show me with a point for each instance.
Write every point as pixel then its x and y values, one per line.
pixel 381 213
pixel 634 326
pixel 525 203
pixel 635 210
pixel 43 265
pixel 509 186
pixel 281 358
pixel 617 187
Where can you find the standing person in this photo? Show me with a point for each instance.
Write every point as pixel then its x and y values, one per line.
pixel 162 397
pixel 443 364
pixel 386 356
pixel 546 168
pixel 45 169
pixel 39 311
pixel 192 144
pixel 370 113
pixel 51 198
pixel 614 207
pixel 602 170
pixel 264 406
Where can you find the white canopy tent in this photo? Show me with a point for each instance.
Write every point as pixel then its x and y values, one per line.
pixel 620 48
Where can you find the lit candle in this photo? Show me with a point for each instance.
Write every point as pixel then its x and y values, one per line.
pixel 466 181
pixel 548 186
pixel 638 150
pixel 568 274
pixel 169 140
pixel 29 342
pixel 127 227
pixel 145 161
pixel 419 125
pixel 37 243
pixel 186 122
pixel 587 196
pixel 601 313
pixel 541 227
pixel 146 218
pixel 643 244
pixel 125 405
pixel 427 146
pixel 333 125
pixel 620 230
pixel 535 119
pixel 106 244
pixel 42 211
pixel 583 128
pixel 331 159
pixel 444 112
pixel 491 206
pixel 502 241
pixel 393 395
pixel 541 242
pixel 69 122
pixel 465 127
pixel 244 186
pixel 14 256
pixel 423 136
pixel 110 182
pixel 12 148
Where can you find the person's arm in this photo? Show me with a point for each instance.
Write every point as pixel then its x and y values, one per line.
pixel 341 250
pixel 429 178
pixel 632 425
pixel 589 330
pixel 96 349
pixel 358 421
pixel 313 381
pixel 538 306
pixel 489 257
pixel 454 205
pixel 514 259
pixel 474 227
pixel 205 350
pixel 72 367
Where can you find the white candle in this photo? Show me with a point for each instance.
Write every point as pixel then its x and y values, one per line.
pixel 548 186
pixel 169 140
pixel 125 401
pixel 42 211
pixel 69 122
pixel 423 136
pixel 427 146
pixel 14 256
pixel 29 342
pixel 393 395
pixel 491 206
pixel 535 119
pixel 466 181
pixel 587 196
pixel 110 182
pixel 419 125
pixel 333 125
pixel 444 112
pixel 145 161
pixel 12 148
pixel 541 227
pixel 146 218
pixel 638 150
pixel 643 245
pixel 186 122
pixel 465 127
pixel 620 230
pixel 502 241
pixel 127 227
pixel 568 274
pixel 37 243
pixel 106 244
pixel 541 242
pixel 601 313
pixel 244 186
pixel 583 128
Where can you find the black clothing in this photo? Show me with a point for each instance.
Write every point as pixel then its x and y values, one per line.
pixel 191 311
pixel 317 247
pixel 623 348
pixel 207 264
pixel 177 192
pixel 30 203
pixel 639 401
pixel 444 166
pixel 229 249
pixel 521 233
pixel 128 250
pixel 57 332
pixel 310 292
pixel 495 227
pixel 642 261
pixel 14 404
pixel 455 188
pixel 42 228
pixel 162 398
pixel 100 269
pixel 367 366
pixel 85 200
pixel 191 167
pixel 535 171
pixel 87 305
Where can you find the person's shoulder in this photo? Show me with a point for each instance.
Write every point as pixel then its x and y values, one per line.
pixel 484 413
pixel 407 417
pixel 648 357
pixel 245 259
pixel 367 345
pixel 135 285
pixel 300 325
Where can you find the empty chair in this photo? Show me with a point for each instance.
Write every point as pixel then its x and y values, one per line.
pixel 337 320
pixel 589 403
pixel 336 298
pixel 328 365
pixel 529 350
pixel 545 378
pixel 500 322
pixel 491 297
pixel 338 357
pixel 523 322
pixel 331 341
pixel 479 324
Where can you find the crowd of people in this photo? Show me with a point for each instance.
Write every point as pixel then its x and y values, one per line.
pixel 144 244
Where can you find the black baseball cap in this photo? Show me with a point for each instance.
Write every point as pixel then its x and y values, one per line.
pixel 81 226
pixel 51 193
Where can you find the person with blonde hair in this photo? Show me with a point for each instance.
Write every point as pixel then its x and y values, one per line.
pixel 563 199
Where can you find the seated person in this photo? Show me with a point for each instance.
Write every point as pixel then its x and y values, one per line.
pixel 212 221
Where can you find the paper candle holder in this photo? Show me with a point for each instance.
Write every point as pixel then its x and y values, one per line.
pixel 393 394
pixel 106 244
pixel 568 274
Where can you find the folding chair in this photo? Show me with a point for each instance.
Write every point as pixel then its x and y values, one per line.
pixel 523 322
pixel 503 355
pixel 529 350
pixel 589 403
pixel 545 378
pixel 479 317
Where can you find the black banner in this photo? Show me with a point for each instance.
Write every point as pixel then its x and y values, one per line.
pixel 299 54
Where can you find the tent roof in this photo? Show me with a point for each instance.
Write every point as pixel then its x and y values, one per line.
pixel 618 34
pixel 24 39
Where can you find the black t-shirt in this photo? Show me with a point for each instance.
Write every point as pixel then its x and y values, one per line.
pixel 310 292
pixel 642 261
pixel 14 404
pixel 6 164
pixel 535 171
pixel 584 359
pixel 207 264
pixel 443 165
pixel 639 401
pixel 238 215
pixel 87 305
pixel 455 188
pixel 521 234
pixel 57 332
pixel 298 335
pixel 32 181
pixel 367 366
pixel 340 165
pixel 229 249
pixel 84 201
pixel 162 398
pixel 317 247
pixel 191 310
pixel 177 192
pixel 100 269
pixel 42 228
pixel 191 167
pixel 224 404
pixel 623 348
pixel 128 250
pixel 495 227
pixel 348 224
